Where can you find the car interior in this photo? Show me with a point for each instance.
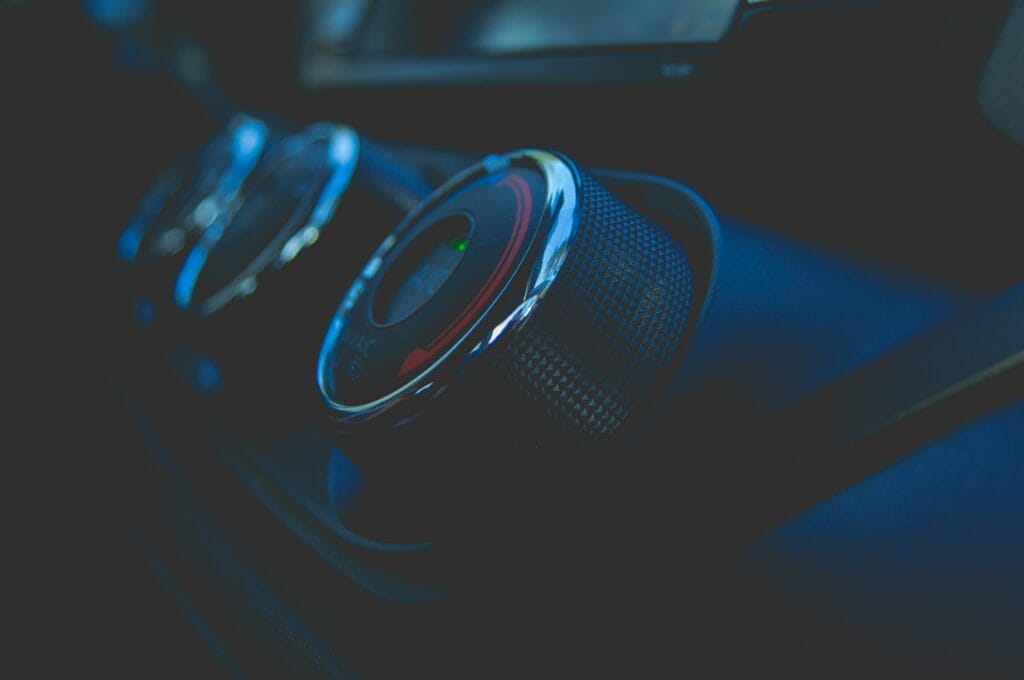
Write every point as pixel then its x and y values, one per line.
pixel 396 338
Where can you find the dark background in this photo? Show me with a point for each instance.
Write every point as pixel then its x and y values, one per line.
pixel 875 148
pixel 83 136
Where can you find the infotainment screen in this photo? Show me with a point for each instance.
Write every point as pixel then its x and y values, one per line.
pixel 536 25
pixel 374 42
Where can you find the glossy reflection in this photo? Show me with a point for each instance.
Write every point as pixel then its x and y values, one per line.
pixel 189 196
pixel 289 198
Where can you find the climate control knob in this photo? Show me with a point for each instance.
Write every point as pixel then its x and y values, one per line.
pixel 521 305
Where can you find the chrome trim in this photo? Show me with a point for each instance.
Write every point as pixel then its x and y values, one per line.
pixel 248 138
pixel 130 239
pixel 560 211
pixel 343 154
pixel 248 141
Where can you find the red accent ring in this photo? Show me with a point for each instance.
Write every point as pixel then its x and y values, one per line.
pixel 524 206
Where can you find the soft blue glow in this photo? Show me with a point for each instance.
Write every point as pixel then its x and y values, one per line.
pixel 145 312
pixel 116 13
pixel 186 281
pixel 344 481
pixel 248 140
pixel 129 240
pixel 249 137
pixel 344 148
pixel 329 197
pixel 342 153
pixel 207 376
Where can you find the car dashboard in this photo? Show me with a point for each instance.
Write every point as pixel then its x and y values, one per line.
pixel 504 336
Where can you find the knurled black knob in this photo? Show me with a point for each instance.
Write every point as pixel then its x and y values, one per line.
pixel 521 302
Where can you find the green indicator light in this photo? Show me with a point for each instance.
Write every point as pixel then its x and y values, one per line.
pixel 458 243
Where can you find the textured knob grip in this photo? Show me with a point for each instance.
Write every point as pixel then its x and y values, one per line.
pixel 607 329
pixel 556 324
